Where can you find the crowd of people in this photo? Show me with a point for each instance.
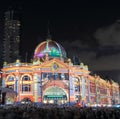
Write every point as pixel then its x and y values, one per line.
pixel 29 111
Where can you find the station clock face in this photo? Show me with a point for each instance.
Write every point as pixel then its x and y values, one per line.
pixel 55 66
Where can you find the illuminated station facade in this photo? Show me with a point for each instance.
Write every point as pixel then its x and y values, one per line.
pixel 52 78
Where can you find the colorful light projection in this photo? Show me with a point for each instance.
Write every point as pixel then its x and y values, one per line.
pixel 52 48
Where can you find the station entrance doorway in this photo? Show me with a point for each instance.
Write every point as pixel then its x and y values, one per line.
pixel 55 95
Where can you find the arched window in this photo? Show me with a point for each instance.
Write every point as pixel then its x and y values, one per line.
pixel 26 78
pixel 10 78
pixel 75 79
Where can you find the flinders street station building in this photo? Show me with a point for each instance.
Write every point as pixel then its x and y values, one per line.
pixel 52 78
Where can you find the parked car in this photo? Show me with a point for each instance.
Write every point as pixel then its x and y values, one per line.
pixel 116 106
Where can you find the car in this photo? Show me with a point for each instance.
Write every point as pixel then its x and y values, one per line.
pixel 116 106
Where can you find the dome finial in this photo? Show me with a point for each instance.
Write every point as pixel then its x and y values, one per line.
pixel 48 32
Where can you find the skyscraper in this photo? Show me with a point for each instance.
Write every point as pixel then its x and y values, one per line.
pixel 11 37
pixel 1 44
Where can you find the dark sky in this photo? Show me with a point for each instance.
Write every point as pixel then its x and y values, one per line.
pixel 88 30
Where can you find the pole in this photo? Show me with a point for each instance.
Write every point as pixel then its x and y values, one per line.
pixel 26 55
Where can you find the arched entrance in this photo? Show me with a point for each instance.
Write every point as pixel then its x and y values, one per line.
pixel 26 100
pixel 55 95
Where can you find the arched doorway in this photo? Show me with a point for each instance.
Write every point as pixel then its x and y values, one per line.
pixel 26 101
pixel 55 95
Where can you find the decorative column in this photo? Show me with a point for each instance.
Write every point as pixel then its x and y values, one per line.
pixel 83 87
pixel 89 99
pixel 71 91
pixel 40 90
pixel 98 98
pixel 35 87
pixel 79 81
pixel 17 86
pixel 108 93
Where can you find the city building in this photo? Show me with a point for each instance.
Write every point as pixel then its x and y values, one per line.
pixel 11 37
pixel 52 78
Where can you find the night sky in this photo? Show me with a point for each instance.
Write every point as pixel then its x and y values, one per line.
pixel 87 30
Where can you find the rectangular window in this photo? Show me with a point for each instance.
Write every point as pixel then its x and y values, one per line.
pixel 26 87
pixel 77 89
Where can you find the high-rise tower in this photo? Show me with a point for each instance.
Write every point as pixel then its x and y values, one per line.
pixel 1 44
pixel 11 37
